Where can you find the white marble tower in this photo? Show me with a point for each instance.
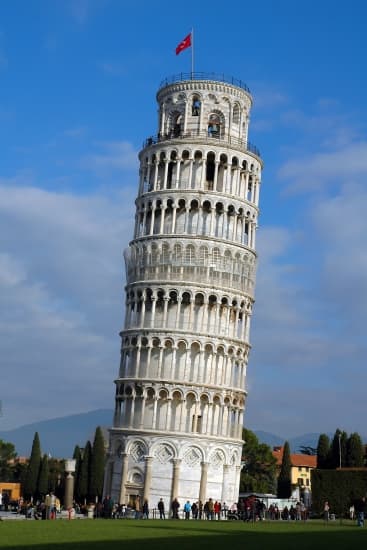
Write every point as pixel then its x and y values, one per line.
pixel 190 273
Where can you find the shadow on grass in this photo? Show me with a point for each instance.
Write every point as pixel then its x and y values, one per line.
pixel 171 535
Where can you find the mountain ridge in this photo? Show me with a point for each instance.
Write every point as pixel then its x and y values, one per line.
pixel 59 435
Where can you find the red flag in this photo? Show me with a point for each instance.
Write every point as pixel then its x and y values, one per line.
pixel 186 43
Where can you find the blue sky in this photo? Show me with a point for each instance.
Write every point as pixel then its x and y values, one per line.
pixel 78 80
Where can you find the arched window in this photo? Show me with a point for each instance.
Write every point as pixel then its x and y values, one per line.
pixel 177 254
pixel 214 126
pixel 236 114
pixel 196 105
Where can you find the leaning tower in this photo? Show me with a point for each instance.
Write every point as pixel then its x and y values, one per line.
pixel 190 274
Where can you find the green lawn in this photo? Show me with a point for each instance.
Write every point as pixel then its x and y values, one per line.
pixel 177 535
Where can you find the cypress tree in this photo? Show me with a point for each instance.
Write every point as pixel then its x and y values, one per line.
pixel 97 466
pixel 77 454
pixel 338 449
pixel 42 485
pixel 355 451
pixel 84 477
pixel 31 478
pixel 323 451
pixel 284 479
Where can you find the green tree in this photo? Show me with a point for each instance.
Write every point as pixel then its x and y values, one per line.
pixel 259 465
pixel 338 449
pixel 84 477
pixel 284 479
pixel 56 475
pixel 97 466
pixel 31 478
pixel 7 456
pixel 42 484
pixel 323 451
pixel 355 451
pixel 77 455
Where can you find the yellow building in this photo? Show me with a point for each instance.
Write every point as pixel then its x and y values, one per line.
pixel 12 489
pixel 302 466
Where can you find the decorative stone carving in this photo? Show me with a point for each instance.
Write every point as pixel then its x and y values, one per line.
pixel 217 459
pixel 192 457
pixel 137 451
pixel 163 453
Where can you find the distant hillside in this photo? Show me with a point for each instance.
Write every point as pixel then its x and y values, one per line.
pixel 305 440
pixel 59 435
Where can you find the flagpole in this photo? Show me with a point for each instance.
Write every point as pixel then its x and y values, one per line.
pixel 192 52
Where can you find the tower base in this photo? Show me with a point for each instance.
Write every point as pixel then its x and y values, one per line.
pixel 151 466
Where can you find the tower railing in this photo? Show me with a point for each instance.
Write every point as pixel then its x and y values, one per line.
pixel 203 136
pixel 195 272
pixel 216 77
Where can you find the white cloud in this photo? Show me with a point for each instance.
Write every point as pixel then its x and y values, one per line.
pixel 266 97
pixel 111 156
pixel 113 68
pixel 80 10
pixel 311 173
pixel 307 365
pixel 61 299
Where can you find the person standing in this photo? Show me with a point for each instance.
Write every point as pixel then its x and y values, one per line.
pixel 187 509
pixel 201 508
pixel 211 509
pixel 162 514
pixel 326 511
pixel 145 509
pixel 175 507
pixel 360 508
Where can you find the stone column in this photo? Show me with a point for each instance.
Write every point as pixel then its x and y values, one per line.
pixel 191 161
pixel 152 219
pixel 148 173
pixel 165 310
pixel 154 302
pixel 163 212
pixel 254 235
pixel 142 311
pixel 187 107
pixel 156 165
pixel 246 184
pixel 178 170
pixel 132 411
pixel 137 361
pixel 212 220
pixel 148 477
pixel 142 413
pixel 154 419
pixel 175 478
pixel 166 162
pixel 183 415
pixel 215 179
pixel 203 481
pixel 195 421
pixel 69 490
pixel 169 414
pixel 124 463
pixel 144 223
pixel 179 300
pixel 226 471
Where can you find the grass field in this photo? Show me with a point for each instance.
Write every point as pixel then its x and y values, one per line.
pixel 177 535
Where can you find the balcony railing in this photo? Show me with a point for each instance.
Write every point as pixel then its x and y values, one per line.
pixel 203 136
pixel 217 77
pixel 195 273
